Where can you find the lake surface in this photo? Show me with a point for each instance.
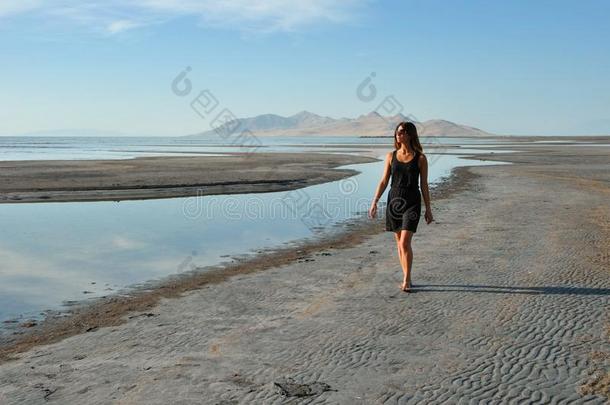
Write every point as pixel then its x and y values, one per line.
pixel 54 253
pixel 47 148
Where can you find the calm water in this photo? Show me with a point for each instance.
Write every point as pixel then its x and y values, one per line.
pixel 54 253
pixel 45 148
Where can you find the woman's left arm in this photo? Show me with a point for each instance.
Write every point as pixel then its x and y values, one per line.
pixel 423 172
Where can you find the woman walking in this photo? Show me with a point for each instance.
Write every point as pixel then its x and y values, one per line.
pixel 406 165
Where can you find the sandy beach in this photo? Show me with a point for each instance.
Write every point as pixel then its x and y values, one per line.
pixel 167 176
pixel 511 303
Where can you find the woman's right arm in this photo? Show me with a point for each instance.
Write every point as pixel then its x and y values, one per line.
pixel 383 183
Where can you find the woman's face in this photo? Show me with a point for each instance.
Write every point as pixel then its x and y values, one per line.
pixel 401 134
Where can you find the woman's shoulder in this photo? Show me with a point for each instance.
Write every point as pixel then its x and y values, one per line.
pixel 421 158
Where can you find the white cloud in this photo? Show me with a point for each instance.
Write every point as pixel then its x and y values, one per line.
pixel 114 16
pixel 121 25
pixel 125 243
pixel 268 15
pixel 11 7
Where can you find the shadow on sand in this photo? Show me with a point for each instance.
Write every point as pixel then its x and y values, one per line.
pixel 500 289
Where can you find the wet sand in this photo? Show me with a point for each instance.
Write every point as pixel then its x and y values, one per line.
pixel 511 302
pixel 168 176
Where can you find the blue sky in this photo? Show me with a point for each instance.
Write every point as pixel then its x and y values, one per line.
pixel 514 67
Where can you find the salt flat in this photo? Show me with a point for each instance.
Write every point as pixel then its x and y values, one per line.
pixel 511 302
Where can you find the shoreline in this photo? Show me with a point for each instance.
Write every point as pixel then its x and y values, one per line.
pixel 108 311
pixel 524 301
pixel 85 315
pixel 168 176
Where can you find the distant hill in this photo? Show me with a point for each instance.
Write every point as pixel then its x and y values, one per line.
pixel 448 128
pixel 306 123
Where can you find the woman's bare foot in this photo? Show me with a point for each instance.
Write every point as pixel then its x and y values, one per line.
pixel 405 287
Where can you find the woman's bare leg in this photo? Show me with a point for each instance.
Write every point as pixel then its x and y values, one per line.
pixel 400 256
pixel 407 257
pixel 397 236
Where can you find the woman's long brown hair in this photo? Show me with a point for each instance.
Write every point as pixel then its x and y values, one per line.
pixel 413 138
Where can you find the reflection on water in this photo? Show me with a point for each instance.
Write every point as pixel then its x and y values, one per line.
pixel 56 252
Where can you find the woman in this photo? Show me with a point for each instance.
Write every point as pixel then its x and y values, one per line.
pixel 406 164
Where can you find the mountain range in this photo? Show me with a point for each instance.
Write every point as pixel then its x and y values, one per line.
pixel 306 123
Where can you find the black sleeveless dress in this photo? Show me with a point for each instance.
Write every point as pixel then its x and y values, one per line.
pixel 403 207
